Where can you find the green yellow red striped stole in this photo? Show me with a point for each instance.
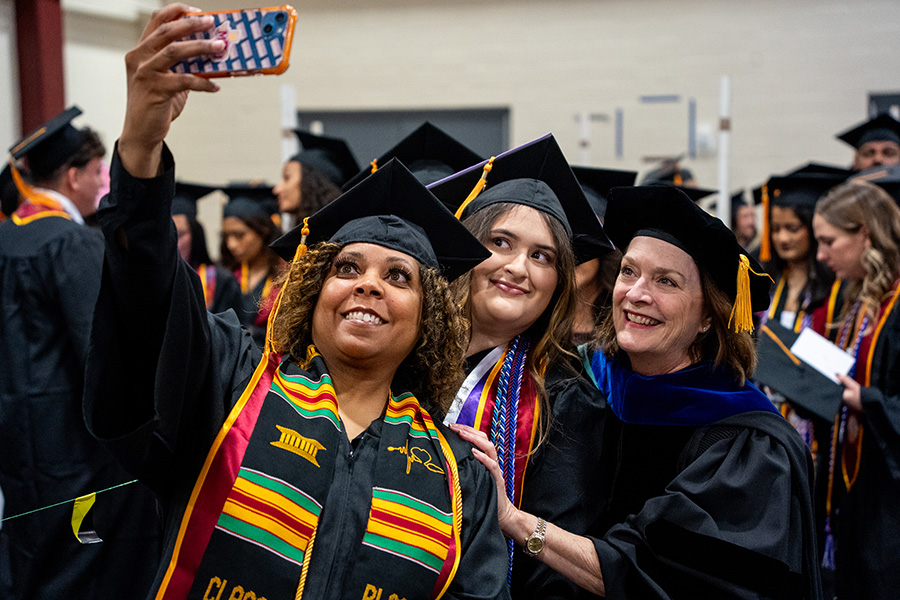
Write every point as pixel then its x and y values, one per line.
pixel 254 512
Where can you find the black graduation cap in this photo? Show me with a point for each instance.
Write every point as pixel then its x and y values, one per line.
pixel 667 213
pixel 248 200
pixel 883 128
pixel 535 174
pixel 792 191
pixel 694 193
pixel 186 196
pixel 814 168
pixel 331 156
pixel 428 152
pixel 596 184
pixel 49 146
pixel 393 209
pixel 887 178
pixel 669 171
pixel 800 190
pixel 785 373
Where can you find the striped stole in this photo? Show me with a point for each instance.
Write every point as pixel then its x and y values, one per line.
pixel 254 512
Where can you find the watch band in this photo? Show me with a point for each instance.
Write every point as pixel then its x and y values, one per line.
pixel 534 543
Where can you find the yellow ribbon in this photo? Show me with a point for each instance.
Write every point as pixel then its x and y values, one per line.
pixel 80 510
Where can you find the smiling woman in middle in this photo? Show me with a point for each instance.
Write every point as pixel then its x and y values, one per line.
pixel 520 391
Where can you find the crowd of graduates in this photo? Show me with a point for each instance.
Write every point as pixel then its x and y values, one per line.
pixel 444 374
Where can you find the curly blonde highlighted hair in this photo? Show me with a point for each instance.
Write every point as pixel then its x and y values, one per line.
pixel 432 371
pixel 851 207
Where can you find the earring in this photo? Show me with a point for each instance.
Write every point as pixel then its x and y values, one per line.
pixel 705 328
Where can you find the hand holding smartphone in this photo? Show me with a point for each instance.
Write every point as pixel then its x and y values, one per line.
pixel 257 42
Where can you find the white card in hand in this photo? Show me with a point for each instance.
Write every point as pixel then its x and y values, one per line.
pixel 822 355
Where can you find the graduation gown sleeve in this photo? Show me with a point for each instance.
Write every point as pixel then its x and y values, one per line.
pixel 881 400
pixel 562 482
pixel 161 371
pixel 734 523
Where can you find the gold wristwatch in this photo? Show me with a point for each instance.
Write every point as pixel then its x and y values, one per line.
pixel 534 543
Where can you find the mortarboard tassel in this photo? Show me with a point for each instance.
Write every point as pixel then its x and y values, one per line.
pixel 765 248
pixel 676 178
pixel 374 164
pixel 478 187
pixel 29 193
pixel 742 313
pixel 301 250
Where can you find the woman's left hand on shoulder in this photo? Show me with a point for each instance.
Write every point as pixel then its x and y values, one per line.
pixel 486 454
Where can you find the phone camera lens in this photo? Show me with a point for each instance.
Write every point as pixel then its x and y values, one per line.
pixel 280 17
pixel 267 28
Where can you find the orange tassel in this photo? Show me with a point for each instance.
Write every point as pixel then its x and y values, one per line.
pixel 765 248
pixel 374 164
pixel 477 189
pixel 742 311
pixel 270 323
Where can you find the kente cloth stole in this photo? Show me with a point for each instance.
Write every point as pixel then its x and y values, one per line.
pixel 250 525
pixel 29 212
pixel 207 275
pixel 479 405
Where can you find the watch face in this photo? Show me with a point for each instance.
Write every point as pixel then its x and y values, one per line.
pixel 535 544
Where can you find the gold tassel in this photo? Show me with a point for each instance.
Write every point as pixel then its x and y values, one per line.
pixel 765 249
pixel 742 312
pixel 270 323
pixel 676 178
pixel 478 187
pixel 28 192
pixel 374 164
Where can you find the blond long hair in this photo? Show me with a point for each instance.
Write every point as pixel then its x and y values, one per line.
pixel 851 207
pixel 551 332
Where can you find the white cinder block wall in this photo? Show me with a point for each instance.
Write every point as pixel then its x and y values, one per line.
pixel 800 72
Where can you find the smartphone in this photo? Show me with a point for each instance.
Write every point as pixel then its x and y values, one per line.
pixel 257 42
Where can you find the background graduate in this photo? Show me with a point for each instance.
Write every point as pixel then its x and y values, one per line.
pixel 857 226
pixel 50 266
pixel 220 287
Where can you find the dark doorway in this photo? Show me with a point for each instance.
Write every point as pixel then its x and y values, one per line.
pixel 372 132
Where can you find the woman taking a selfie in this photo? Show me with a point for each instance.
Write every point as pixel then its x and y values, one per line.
pixel 708 487
pixel 857 226
pixel 314 469
pixel 522 388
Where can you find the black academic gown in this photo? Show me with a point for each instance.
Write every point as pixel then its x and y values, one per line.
pixel 228 291
pixel 49 278
pixel 562 482
pixel 716 511
pixel 867 520
pixel 187 368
